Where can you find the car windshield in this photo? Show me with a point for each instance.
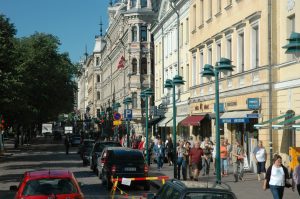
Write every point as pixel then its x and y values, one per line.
pixel 209 195
pixel 49 186
pixel 128 156
pixel 100 146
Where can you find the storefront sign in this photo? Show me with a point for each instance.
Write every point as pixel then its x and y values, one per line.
pixel 206 106
pixel 231 104
pixel 235 120
pixel 253 103
pixel 253 115
pixel 221 108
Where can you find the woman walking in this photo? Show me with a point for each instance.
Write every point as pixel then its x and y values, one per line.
pixel 276 178
pixel 224 158
pixel 181 160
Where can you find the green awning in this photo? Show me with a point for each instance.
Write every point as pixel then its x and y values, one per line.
pixel 285 122
pixel 265 124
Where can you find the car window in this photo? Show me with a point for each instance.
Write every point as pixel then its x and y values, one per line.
pixel 209 195
pixel 49 186
pixel 101 146
pixel 130 156
pixel 168 192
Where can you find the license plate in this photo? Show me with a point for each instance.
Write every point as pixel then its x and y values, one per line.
pixel 129 169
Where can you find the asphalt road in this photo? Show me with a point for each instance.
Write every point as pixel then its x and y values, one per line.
pixel 46 154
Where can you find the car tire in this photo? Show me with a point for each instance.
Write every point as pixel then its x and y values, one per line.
pixel 147 186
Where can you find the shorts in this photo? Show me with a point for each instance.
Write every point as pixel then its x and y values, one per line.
pixel 261 167
pixel 197 165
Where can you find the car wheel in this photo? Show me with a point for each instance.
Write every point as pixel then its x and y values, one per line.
pixel 147 186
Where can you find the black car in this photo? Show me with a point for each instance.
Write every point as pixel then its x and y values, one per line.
pixel 85 149
pixel 123 163
pixel 194 190
pixel 97 150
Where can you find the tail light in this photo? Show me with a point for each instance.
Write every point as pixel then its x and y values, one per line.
pixel 146 168
pixel 113 169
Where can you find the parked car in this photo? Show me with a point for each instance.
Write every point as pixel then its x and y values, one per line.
pixel 97 150
pixel 75 140
pixel 85 149
pixel 45 184
pixel 194 190
pixel 123 163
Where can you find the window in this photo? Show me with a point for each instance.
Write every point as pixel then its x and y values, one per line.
pixel 98 112
pixel 229 49
pixel 134 100
pixel 219 5
pixel 134 33
pixel 201 13
pixel 218 50
pixel 98 95
pixel 194 73
pixel 209 55
pixel 144 66
pixel 181 35
pixel 241 52
pixel 187 30
pixel 144 33
pixel 255 47
pixel 290 29
pixel 97 61
pixel 201 66
pixel 133 3
pixel 194 17
pixel 134 66
pixel 209 13
pixel 98 78
pixel 144 3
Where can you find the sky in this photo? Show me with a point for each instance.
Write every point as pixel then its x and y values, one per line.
pixel 74 22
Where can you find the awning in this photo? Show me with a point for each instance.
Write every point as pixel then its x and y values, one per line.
pixel 286 123
pixel 163 122
pixel 178 119
pixel 192 120
pixel 155 121
pixel 235 117
pixel 265 124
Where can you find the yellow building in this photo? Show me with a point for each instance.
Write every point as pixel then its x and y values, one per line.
pixel 263 84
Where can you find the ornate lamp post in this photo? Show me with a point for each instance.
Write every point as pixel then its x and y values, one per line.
pixel 224 65
pixel 145 94
pixel 126 102
pixel 170 84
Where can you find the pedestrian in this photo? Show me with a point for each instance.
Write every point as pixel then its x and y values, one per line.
pixel 276 178
pixel 224 158
pixel 169 150
pixel 141 146
pixel 159 151
pixel 229 149
pixel 238 161
pixel 195 159
pixel 181 160
pixel 67 144
pixel 296 177
pixel 260 158
pixel 187 157
pixel 207 150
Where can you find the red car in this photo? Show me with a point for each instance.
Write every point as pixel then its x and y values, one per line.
pixel 48 184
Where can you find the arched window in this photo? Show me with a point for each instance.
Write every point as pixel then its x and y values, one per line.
pixel 134 33
pixel 143 66
pixel 134 66
pixel 98 78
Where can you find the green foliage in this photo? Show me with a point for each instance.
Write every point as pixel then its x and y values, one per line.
pixel 43 79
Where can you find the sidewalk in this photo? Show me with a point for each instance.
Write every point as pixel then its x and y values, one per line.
pixel 248 189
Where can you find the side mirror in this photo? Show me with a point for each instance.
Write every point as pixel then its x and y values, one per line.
pixel 13 188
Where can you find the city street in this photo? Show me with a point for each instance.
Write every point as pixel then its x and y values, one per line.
pixel 47 155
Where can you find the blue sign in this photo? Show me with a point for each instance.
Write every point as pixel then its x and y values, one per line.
pixel 253 103
pixel 253 115
pixel 221 108
pixel 117 116
pixel 234 120
pixel 128 114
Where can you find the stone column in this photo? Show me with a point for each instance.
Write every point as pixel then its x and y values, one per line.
pixel 129 3
pixel 138 4
pixel 149 4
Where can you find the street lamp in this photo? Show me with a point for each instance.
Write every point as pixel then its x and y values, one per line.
pixel 170 84
pixel 127 101
pixel 293 47
pixel 144 95
pixel 224 65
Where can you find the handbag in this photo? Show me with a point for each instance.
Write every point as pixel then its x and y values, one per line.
pixel 288 184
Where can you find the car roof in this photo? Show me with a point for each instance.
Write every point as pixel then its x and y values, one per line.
pixel 192 185
pixel 49 174
pixel 119 149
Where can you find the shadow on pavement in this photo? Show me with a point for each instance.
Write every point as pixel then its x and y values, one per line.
pixel 10 178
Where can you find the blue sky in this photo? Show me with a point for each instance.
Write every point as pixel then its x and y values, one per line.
pixel 74 22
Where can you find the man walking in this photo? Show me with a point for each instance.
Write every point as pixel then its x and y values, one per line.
pixel 195 159
pixel 159 151
pixel 238 161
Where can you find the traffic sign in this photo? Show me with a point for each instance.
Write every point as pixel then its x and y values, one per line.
pixel 117 116
pixel 128 114
pixel 117 122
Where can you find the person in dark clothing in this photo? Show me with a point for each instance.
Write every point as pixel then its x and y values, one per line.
pixel 67 144
pixel 169 150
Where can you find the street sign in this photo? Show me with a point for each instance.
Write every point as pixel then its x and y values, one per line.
pixel 128 114
pixel 117 116
pixel 253 103
pixel 254 115
pixel 68 129
pixel 117 122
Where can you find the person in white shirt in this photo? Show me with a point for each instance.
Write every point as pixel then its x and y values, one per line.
pixel 260 157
